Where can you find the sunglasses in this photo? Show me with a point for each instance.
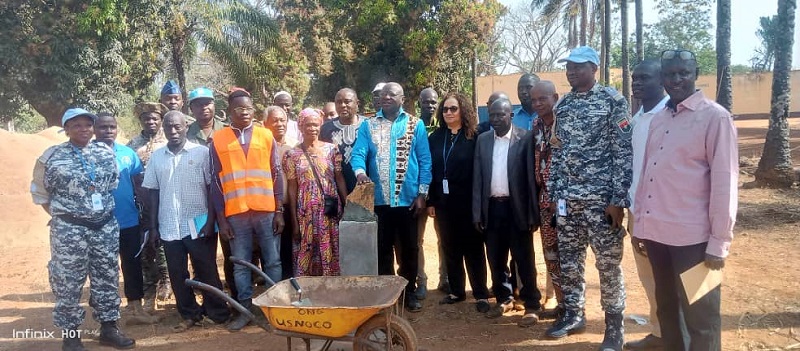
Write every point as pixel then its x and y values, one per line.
pixel 679 54
pixel 451 109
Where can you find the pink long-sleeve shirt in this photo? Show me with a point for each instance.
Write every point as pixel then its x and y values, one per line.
pixel 688 191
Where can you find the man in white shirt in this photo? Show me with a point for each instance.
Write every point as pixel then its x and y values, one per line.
pixel 178 177
pixel 649 89
pixel 504 207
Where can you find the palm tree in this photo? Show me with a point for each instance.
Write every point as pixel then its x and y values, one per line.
pixel 605 59
pixel 626 74
pixel 724 94
pixel 573 12
pixel 233 31
pixel 775 166
pixel 639 31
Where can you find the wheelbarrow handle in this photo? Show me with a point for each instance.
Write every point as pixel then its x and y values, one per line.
pixel 253 268
pixel 219 293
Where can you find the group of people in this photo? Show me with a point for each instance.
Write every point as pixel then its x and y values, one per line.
pixel 270 187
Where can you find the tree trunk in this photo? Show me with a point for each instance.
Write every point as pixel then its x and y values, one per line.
pixel 178 47
pixel 606 59
pixel 639 31
pixel 626 80
pixel 775 166
pixel 584 20
pixel 724 94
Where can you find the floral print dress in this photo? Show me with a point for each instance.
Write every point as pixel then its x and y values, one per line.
pixel 317 252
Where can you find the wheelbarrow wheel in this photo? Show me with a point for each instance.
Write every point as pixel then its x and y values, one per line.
pixel 371 336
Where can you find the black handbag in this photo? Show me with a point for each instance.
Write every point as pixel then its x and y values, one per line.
pixel 331 202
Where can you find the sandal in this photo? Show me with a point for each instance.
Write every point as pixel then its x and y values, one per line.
pixel 183 326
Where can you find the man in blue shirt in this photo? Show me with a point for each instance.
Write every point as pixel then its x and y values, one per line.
pixel 395 145
pixel 524 116
pixel 126 213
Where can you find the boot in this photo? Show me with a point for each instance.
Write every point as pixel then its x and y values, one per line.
pixel 72 342
pixel 149 304
pixel 613 339
pixel 241 320
pixel 110 335
pixel 139 315
pixel 572 322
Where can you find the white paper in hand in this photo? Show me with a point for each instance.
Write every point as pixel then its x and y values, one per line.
pixel 699 280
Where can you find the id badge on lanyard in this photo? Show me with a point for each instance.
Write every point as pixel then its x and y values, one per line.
pixel 445 156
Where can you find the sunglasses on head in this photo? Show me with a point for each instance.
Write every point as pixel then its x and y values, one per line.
pixel 451 109
pixel 678 54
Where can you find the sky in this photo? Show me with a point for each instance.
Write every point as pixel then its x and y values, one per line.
pixel 744 18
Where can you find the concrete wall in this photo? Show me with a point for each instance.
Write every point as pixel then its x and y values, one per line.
pixel 751 92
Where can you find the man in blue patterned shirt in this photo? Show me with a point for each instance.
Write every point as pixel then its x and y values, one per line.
pixel 395 145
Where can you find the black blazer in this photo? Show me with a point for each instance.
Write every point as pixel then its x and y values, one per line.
pixel 521 179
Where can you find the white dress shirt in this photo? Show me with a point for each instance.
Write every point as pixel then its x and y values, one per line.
pixel 499 186
pixel 641 126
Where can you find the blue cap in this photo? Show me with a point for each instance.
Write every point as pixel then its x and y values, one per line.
pixel 170 88
pixel 582 54
pixel 76 112
pixel 201 93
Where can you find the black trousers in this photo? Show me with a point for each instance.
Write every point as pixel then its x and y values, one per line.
pixel 203 253
pixel 398 224
pixel 130 240
pixel 462 244
pixel 503 236
pixel 227 267
pixel 287 263
pixel 697 325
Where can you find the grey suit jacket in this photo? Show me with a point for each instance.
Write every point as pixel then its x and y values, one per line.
pixel 521 180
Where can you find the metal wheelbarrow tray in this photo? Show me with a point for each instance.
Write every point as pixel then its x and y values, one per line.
pixel 358 309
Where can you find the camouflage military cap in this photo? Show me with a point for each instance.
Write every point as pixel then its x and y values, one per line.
pixel 147 107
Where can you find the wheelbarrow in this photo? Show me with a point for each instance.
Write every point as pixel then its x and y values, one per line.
pixel 358 309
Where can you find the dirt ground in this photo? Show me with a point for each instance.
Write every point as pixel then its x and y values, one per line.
pixel 761 291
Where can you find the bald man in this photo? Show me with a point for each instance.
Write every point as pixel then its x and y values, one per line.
pixel 285 101
pixel 503 209
pixel 543 97
pixel 485 125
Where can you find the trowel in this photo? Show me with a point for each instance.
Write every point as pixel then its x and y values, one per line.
pixel 301 302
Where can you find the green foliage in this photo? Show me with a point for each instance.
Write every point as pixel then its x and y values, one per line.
pixel 764 55
pixel 682 25
pixel 88 53
pixel 415 43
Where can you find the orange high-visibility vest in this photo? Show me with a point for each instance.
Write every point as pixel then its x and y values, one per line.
pixel 246 181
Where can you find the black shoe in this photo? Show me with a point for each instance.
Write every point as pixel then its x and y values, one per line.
pixel 72 344
pixel 241 320
pixel 613 338
pixel 650 342
pixel 483 306
pixel 412 304
pixel 110 335
pixel 451 299
pixel 571 323
pixel 554 313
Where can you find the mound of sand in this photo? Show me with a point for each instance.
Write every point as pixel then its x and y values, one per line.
pixel 24 225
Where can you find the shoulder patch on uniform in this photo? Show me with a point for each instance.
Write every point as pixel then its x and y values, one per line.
pixel 624 124
pixel 48 153
pixel 613 93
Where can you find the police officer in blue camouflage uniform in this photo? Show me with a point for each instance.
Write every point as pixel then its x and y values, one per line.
pixel 590 176
pixel 73 183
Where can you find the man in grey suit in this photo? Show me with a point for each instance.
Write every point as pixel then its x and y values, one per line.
pixel 504 207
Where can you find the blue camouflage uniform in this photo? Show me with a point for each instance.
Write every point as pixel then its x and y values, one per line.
pixel 84 236
pixel 591 169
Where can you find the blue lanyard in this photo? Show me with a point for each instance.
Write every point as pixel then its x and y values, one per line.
pixel 446 155
pixel 87 166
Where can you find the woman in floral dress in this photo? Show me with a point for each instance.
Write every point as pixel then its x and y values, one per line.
pixel 315 234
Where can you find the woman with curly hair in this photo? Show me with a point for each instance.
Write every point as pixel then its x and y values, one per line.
pixel 452 147
pixel 317 193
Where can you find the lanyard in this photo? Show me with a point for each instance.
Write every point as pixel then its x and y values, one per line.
pixel 446 155
pixel 87 166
